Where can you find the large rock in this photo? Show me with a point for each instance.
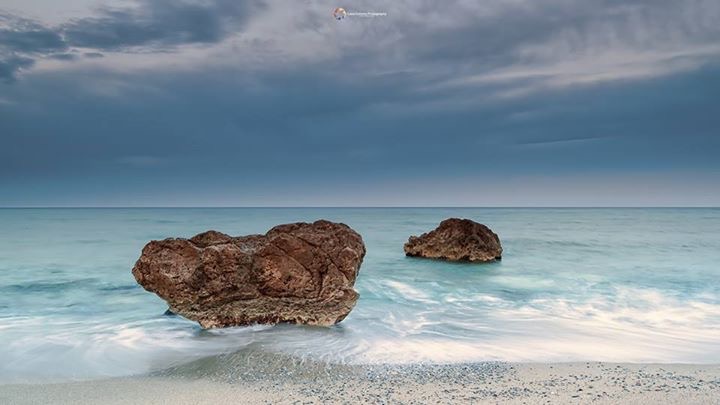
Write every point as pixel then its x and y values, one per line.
pixel 295 273
pixel 457 240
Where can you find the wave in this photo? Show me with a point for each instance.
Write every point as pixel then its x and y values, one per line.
pixel 629 325
pixel 48 286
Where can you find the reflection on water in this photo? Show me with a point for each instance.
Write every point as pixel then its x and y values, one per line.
pixel 638 285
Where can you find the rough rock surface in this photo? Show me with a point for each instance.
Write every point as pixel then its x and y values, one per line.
pixel 457 240
pixel 296 273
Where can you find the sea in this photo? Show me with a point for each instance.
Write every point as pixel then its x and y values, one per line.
pixel 574 284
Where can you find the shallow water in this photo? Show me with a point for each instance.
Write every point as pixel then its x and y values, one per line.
pixel 627 285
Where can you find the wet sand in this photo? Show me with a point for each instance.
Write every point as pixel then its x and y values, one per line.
pixel 601 383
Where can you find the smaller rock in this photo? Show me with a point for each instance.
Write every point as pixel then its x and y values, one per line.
pixel 457 239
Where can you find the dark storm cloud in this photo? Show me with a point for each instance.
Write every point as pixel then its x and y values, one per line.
pixel 63 56
pixel 20 41
pixel 227 128
pixel 482 37
pixel 22 35
pixel 31 40
pixel 159 24
pixel 11 64
pixel 209 134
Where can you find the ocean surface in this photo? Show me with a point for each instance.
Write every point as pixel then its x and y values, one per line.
pixel 625 285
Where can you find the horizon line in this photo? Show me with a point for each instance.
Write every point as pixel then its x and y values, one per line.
pixel 353 207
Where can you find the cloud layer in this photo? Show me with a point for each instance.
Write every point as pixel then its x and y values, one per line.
pixel 245 102
pixel 553 42
pixel 150 24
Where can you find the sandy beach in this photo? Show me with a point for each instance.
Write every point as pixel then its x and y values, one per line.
pixel 602 383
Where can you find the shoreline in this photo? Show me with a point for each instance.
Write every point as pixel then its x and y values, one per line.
pixel 312 382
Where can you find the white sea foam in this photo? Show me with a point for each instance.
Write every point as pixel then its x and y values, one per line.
pixel 637 325
pixel 632 325
pixel 408 292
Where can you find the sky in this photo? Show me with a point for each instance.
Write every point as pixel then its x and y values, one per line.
pixel 277 103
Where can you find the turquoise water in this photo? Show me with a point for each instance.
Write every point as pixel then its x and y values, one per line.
pixel 637 285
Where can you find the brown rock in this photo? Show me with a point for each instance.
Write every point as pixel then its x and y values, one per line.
pixel 457 240
pixel 296 273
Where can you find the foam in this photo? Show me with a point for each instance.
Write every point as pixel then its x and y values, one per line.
pixel 623 325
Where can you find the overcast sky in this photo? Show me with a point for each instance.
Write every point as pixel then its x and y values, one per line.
pixel 471 103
